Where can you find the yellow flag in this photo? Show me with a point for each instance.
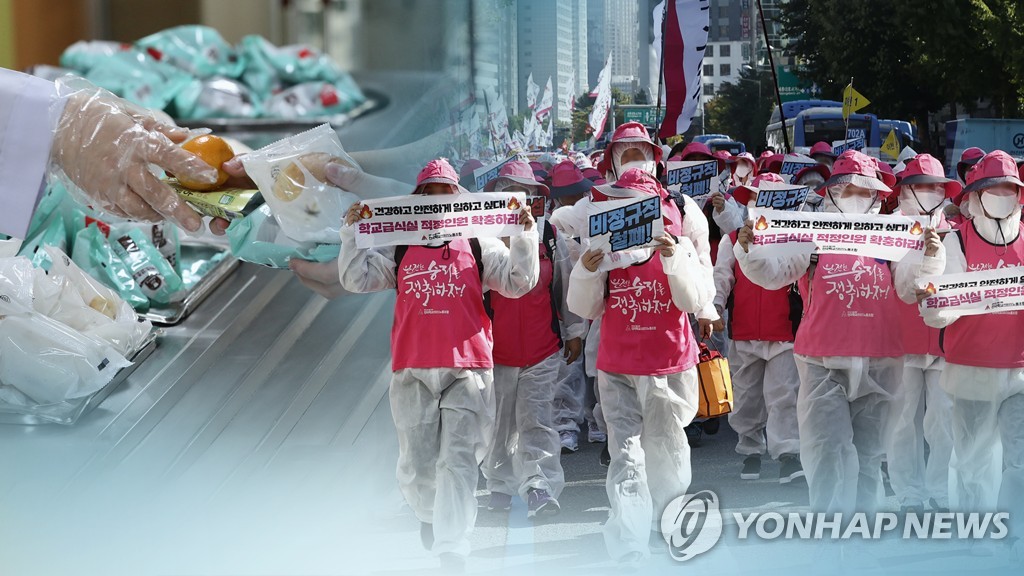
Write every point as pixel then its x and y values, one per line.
pixel 891 146
pixel 852 101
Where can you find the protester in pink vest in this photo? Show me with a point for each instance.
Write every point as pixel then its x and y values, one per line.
pixel 630 146
pixel 442 395
pixel 921 409
pixel 984 372
pixel 647 373
pixel 764 376
pixel 529 333
pixel 848 348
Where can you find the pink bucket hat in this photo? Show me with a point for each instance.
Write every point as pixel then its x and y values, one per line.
pixel 968 158
pixel 594 176
pixel 771 163
pixel 568 180
pixel 744 194
pixel 822 149
pixel 519 172
pixel 926 169
pixel 628 132
pixel 817 168
pixel 438 172
pixel 860 170
pixel 695 151
pixel 743 157
pixel 994 168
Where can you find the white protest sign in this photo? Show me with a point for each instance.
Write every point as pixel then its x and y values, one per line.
pixel 698 180
pixel 972 293
pixel 780 196
pixel 418 220
pixel 622 228
pixel 887 237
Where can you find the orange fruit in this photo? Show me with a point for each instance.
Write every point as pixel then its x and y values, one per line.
pixel 214 151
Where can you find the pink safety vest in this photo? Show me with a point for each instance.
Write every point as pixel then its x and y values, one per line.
pixel 440 320
pixel 642 331
pixel 988 340
pixel 523 329
pixel 851 309
pixel 756 314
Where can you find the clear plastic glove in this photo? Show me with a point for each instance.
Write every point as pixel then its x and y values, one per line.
pixel 104 146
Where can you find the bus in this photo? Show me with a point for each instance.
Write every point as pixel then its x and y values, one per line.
pixel 810 121
pixel 906 133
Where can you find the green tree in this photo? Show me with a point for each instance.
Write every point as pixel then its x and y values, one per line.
pixel 742 109
pixel 912 57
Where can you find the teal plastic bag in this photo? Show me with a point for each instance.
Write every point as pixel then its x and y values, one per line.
pixel 150 269
pixel 52 199
pixel 199 51
pixel 93 254
pixel 139 78
pixel 258 239
pixel 268 66
pixel 52 234
pixel 83 56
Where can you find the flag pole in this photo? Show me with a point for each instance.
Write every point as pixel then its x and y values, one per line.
pixel 775 78
pixel 847 135
pixel 661 72
pixel 487 109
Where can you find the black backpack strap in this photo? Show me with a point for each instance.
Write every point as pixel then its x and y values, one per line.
pixel 474 246
pixel 399 255
pixel 551 244
pixel 549 239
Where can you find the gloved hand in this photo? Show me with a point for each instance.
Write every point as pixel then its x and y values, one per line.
pixel 104 146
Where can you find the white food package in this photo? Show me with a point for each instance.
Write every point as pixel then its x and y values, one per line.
pixel 308 208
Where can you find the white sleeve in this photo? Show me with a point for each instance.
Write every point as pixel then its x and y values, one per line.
pixel 773 273
pixel 695 227
pixel 573 326
pixel 906 274
pixel 29 112
pixel 689 279
pixel 511 271
pixel 725 276
pixel 571 220
pixel 586 291
pixel 370 270
pixel 955 263
pixel 730 218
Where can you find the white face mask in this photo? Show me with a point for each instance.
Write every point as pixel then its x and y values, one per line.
pixel 854 204
pixel 999 207
pixel 742 169
pixel 645 165
pixel 916 203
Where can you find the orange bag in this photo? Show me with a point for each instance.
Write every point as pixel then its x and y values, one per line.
pixel 715 384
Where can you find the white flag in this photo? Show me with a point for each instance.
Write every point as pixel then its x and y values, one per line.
pixel 544 106
pixel 570 93
pixel 531 92
pixel 599 114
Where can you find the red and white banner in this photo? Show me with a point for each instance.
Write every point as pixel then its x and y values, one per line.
pixel 418 220
pixel 686 35
pixel 779 233
pixel 599 113
pixel 973 293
